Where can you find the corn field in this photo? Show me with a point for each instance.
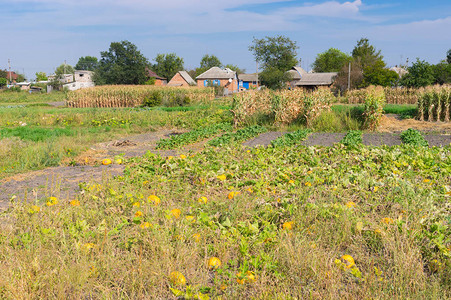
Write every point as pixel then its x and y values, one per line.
pixel 132 96
pixel 434 104
pixel 281 107
pixel 373 107
pixel 392 95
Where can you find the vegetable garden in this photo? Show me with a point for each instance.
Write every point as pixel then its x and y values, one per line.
pixel 286 221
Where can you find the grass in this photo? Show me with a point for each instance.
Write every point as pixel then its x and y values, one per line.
pixel 7 97
pixel 406 111
pixel 285 222
pixel 302 222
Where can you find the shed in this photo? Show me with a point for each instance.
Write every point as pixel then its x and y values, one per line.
pixel 182 78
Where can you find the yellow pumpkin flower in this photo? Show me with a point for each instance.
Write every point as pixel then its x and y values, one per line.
pixel 75 203
pixel 308 183
pixel 249 277
pixel 176 213
pixel 196 237
pixel 288 225
pixel 222 177
pixel 182 156
pixel 232 195
pixel 145 225
pixel 350 204
pixel 190 218
pixel 202 200
pixel 139 214
pixel 388 220
pixel 52 201
pixel 153 199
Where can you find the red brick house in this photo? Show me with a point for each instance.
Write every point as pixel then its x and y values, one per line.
pixel 219 77
pixel 11 76
pixel 182 78
pixel 159 81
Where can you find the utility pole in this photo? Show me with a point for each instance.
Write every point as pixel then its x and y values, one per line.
pixel 257 73
pixel 349 76
pixel 10 74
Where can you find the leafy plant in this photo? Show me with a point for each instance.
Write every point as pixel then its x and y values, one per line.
pixel 291 138
pixel 352 138
pixel 413 137
pixel 238 136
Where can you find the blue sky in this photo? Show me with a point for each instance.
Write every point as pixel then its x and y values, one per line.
pixel 40 35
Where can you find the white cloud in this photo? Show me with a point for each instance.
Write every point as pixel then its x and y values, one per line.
pixel 327 9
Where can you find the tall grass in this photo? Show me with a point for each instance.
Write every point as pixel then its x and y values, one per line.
pixel 392 95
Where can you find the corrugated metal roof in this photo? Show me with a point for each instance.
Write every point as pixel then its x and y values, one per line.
pixel 151 73
pixel 187 78
pixel 248 77
pixel 217 73
pixel 316 79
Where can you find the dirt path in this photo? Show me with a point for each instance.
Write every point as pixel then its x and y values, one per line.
pixel 63 182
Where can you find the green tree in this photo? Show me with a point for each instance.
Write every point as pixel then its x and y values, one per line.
pixel 168 65
pixel 20 77
pixel 420 74
pixel 207 62
pixel 442 73
pixel 3 73
pixel 41 76
pixel 88 63
pixel 123 63
pixel 448 56
pixel 331 60
pixel 64 69
pixel 3 82
pixel 378 74
pixel 276 55
pixel 365 53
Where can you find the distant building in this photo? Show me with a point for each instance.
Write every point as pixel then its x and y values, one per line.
pixel 219 77
pixel 11 76
pixel 247 81
pixel 182 78
pixel 300 78
pixel 399 70
pixel 159 81
pixel 82 79
pixel 64 78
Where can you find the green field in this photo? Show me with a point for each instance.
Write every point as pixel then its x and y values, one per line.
pixel 226 222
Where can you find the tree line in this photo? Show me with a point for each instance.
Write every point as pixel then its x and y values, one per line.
pixel 123 63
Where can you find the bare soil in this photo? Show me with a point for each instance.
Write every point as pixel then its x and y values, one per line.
pixel 64 181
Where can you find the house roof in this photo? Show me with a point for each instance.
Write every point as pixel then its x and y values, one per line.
pixel 316 79
pixel 248 77
pixel 151 74
pixel 186 77
pixel 217 73
pixel 13 75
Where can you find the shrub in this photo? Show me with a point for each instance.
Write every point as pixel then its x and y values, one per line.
pixel 352 138
pixel 413 137
pixel 153 99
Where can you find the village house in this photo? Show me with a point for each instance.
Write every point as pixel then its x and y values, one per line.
pixel 219 77
pixel 11 76
pixel 300 78
pixel 247 81
pixel 182 78
pixel 159 81
pixel 82 79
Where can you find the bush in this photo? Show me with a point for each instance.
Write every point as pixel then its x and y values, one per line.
pixel 153 99
pixel 413 137
pixel 352 138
